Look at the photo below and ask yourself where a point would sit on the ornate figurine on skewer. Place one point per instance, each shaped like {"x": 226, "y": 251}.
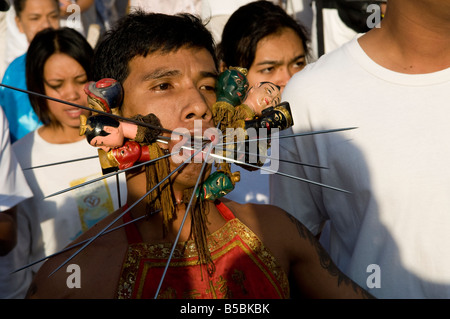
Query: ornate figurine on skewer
{"x": 231, "y": 90}
{"x": 121, "y": 144}
{"x": 241, "y": 109}
{"x": 104, "y": 95}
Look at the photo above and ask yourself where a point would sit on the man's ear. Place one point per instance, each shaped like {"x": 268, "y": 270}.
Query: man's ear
{"x": 19, "y": 24}
{"x": 222, "y": 66}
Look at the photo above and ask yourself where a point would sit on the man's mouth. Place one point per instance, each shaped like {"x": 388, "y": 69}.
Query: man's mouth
{"x": 194, "y": 145}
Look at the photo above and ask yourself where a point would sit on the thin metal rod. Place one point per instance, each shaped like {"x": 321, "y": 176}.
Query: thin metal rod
{"x": 63, "y": 162}
{"x": 289, "y": 136}
{"x": 119, "y": 200}
{"x": 274, "y": 172}
{"x": 84, "y": 241}
{"x": 93, "y": 110}
{"x": 108, "y": 175}
{"x": 260, "y": 155}
{"x": 120, "y": 216}
{"x": 279, "y": 159}
{"x": 184, "y": 218}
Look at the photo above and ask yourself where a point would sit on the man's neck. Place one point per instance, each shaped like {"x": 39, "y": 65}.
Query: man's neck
{"x": 411, "y": 39}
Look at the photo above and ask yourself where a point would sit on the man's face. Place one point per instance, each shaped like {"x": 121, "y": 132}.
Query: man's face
{"x": 178, "y": 87}
{"x": 36, "y": 16}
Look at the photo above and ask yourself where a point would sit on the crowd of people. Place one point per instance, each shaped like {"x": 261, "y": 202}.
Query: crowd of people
{"x": 358, "y": 207}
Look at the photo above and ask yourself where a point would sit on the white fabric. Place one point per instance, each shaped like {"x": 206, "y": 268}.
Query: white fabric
{"x": 335, "y": 31}
{"x": 217, "y": 12}
{"x": 13, "y": 189}
{"x": 16, "y": 41}
{"x": 167, "y": 6}
{"x": 13, "y": 186}
{"x": 219, "y": 7}
{"x": 3, "y": 64}
{"x": 395, "y": 164}
{"x": 61, "y": 218}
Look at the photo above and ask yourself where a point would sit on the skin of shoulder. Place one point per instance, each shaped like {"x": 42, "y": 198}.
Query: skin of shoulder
{"x": 310, "y": 269}
{"x": 106, "y": 253}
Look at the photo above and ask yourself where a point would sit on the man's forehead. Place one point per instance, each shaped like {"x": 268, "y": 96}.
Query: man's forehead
{"x": 160, "y": 63}
{"x": 42, "y": 6}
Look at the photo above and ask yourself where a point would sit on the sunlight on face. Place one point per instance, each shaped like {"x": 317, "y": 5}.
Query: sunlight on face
{"x": 278, "y": 57}
{"x": 38, "y": 15}
{"x": 64, "y": 78}
{"x": 179, "y": 88}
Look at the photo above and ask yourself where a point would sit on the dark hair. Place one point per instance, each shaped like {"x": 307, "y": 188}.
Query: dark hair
{"x": 140, "y": 33}
{"x": 46, "y": 43}
{"x": 95, "y": 126}
{"x": 19, "y": 5}
{"x": 248, "y": 25}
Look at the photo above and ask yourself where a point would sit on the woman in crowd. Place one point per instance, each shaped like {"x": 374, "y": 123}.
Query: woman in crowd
{"x": 272, "y": 46}
{"x": 30, "y": 18}
{"x": 58, "y": 65}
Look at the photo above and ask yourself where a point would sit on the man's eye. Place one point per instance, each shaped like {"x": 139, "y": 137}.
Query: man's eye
{"x": 300, "y": 64}
{"x": 163, "y": 86}
{"x": 160, "y": 86}
{"x": 208, "y": 88}
{"x": 267, "y": 70}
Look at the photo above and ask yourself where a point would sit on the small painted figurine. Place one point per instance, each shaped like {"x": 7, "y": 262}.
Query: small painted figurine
{"x": 124, "y": 156}
{"x": 104, "y": 95}
{"x": 278, "y": 116}
{"x": 231, "y": 90}
{"x": 106, "y": 132}
{"x": 217, "y": 185}
{"x": 259, "y": 97}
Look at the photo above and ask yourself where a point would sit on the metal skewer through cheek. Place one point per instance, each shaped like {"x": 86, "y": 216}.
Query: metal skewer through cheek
{"x": 272, "y": 171}
{"x": 96, "y": 111}
{"x": 109, "y": 175}
{"x": 185, "y": 214}
{"x": 124, "y": 212}
{"x": 84, "y": 241}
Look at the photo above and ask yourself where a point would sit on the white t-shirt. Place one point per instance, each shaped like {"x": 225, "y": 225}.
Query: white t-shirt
{"x": 392, "y": 229}
{"x": 16, "y": 43}
{"x": 13, "y": 186}
{"x": 47, "y": 225}
{"x": 13, "y": 190}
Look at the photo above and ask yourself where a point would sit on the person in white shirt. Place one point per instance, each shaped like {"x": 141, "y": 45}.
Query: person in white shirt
{"x": 13, "y": 189}
{"x": 390, "y": 233}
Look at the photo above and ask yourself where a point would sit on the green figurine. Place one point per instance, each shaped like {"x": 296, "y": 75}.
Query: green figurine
{"x": 231, "y": 90}
{"x": 217, "y": 185}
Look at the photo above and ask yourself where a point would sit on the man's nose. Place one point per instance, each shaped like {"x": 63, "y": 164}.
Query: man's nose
{"x": 45, "y": 23}
{"x": 283, "y": 77}
{"x": 196, "y": 107}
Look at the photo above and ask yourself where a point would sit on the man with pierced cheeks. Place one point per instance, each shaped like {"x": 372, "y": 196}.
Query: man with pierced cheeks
{"x": 167, "y": 67}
